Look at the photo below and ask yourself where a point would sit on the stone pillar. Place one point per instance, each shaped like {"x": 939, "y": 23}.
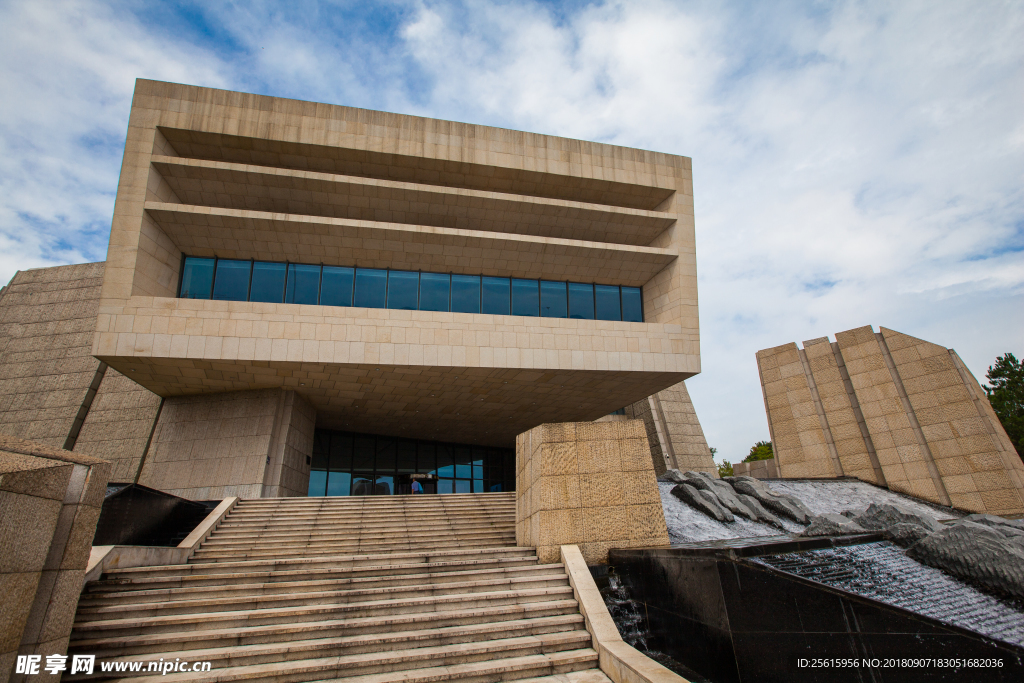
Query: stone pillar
{"x": 50, "y": 500}
{"x": 590, "y": 484}
{"x": 249, "y": 444}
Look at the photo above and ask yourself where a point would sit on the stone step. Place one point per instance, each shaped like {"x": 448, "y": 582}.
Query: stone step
{"x": 478, "y": 669}
{"x": 357, "y": 651}
{"x": 115, "y": 581}
{"x": 313, "y": 548}
{"x": 314, "y": 595}
{"x": 210, "y": 637}
{"x": 410, "y": 500}
{"x": 112, "y": 594}
{"x": 235, "y": 619}
{"x": 384, "y": 535}
{"x": 288, "y": 523}
{"x": 439, "y": 558}
{"x": 354, "y": 532}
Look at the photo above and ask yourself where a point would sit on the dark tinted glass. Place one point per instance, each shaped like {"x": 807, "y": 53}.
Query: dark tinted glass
{"x": 387, "y": 449}
{"x": 384, "y": 485}
{"x": 336, "y": 286}
{"x": 363, "y": 453}
{"x": 552, "y": 299}
{"x": 463, "y": 462}
{"x": 581, "y": 301}
{"x": 495, "y": 295}
{"x": 606, "y": 298}
{"x": 445, "y": 468}
{"x": 371, "y": 287}
{"x": 267, "y": 282}
{"x": 407, "y": 458}
{"x": 304, "y": 285}
{"x": 426, "y": 458}
{"x": 444, "y": 485}
{"x": 232, "y": 283}
{"x": 466, "y": 293}
{"x": 632, "y": 305}
{"x": 339, "y": 483}
{"x": 362, "y": 483}
{"x": 433, "y": 292}
{"x": 317, "y": 483}
{"x": 402, "y": 289}
{"x": 525, "y": 297}
{"x": 197, "y": 278}
{"x": 462, "y": 486}
{"x": 321, "y": 450}
{"x": 341, "y": 452}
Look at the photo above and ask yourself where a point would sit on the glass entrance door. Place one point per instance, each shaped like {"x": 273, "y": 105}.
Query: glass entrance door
{"x": 348, "y": 464}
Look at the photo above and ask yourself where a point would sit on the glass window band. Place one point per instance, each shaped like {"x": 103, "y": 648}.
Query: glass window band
{"x": 279, "y": 282}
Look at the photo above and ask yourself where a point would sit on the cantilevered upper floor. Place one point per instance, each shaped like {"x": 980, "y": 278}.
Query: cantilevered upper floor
{"x": 362, "y": 260}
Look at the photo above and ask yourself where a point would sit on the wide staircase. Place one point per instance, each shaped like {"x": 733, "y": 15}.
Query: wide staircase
{"x": 363, "y": 589}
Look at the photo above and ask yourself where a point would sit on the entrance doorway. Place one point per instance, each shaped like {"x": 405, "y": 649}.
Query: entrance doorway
{"x": 349, "y": 464}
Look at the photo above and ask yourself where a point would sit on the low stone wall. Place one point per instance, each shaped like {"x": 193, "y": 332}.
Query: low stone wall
{"x": 590, "y": 484}
{"x": 50, "y": 500}
{"x": 759, "y": 469}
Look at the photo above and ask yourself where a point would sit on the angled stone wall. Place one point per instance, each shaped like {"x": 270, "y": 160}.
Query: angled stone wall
{"x": 47, "y": 321}
{"x": 249, "y": 444}
{"x": 894, "y": 410}
{"x": 673, "y": 431}
{"x": 50, "y": 501}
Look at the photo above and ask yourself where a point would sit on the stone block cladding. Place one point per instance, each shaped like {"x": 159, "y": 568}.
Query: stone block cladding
{"x": 673, "y": 431}
{"x": 590, "y": 484}
{"x": 50, "y": 502}
{"x": 894, "y": 410}
{"x": 759, "y": 469}
{"x": 250, "y": 444}
{"x": 47, "y": 322}
{"x": 215, "y": 173}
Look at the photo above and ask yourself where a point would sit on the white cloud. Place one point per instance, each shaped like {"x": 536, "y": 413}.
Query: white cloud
{"x": 69, "y": 69}
{"x": 855, "y": 162}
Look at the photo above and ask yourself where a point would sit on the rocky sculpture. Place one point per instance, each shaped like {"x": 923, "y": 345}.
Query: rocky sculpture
{"x": 787, "y": 506}
{"x": 885, "y": 515}
{"x": 832, "y": 525}
{"x": 705, "y": 501}
{"x": 762, "y": 514}
{"x": 723, "y": 492}
{"x": 990, "y": 555}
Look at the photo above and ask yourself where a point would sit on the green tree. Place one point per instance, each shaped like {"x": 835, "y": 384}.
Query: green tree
{"x": 1006, "y": 394}
{"x": 762, "y": 450}
{"x": 725, "y": 469}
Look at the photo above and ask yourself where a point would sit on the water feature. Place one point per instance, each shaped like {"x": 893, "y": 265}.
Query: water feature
{"x": 632, "y": 624}
{"x": 882, "y": 572}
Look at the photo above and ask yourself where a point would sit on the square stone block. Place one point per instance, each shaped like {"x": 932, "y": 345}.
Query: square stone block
{"x": 559, "y": 492}
{"x": 559, "y": 458}
{"x": 640, "y": 488}
{"x": 599, "y": 456}
{"x": 646, "y": 521}
{"x": 601, "y": 490}
{"x": 561, "y": 527}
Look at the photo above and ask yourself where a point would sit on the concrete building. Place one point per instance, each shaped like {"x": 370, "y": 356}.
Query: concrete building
{"x": 307, "y": 299}
{"x": 893, "y": 410}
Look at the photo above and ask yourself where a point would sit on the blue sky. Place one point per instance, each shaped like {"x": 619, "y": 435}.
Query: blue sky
{"x": 854, "y": 162}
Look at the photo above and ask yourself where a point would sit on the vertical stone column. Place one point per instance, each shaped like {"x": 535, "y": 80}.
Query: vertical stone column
{"x": 590, "y": 484}
{"x": 50, "y": 501}
{"x": 836, "y": 409}
{"x": 798, "y": 436}
{"x": 966, "y": 455}
{"x": 902, "y": 452}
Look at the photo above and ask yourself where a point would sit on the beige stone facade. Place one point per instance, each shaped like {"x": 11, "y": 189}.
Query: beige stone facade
{"x": 673, "y": 431}
{"x": 49, "y": 504}
{"x": 207, "y": 398}
{"x": 893, "y": 410}
{"x": 590, "y": 484}
{"x": 210, "y": 172}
